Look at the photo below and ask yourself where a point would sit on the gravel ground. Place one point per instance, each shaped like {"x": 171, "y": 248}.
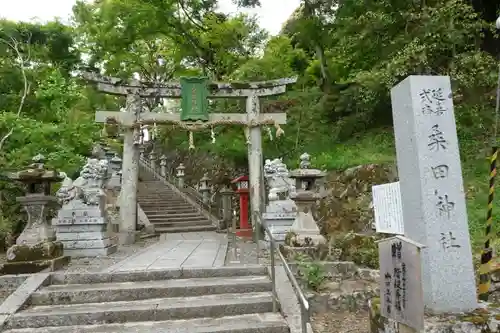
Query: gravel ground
{"x": 341, "y": 322}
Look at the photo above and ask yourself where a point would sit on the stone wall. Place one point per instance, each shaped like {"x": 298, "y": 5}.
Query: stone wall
{"x": 348, "y": 203}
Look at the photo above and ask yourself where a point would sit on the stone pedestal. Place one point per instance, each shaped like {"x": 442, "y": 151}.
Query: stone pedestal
{"x": 36, "y": 249}
{"x": 27, "y": 259}
{"x": 281, "y": 210}
{"x": 279, "y": 224}
{"x": 83, "y": 230}
{"x": 304, "y": 226}
{"x": 81, "y": 224}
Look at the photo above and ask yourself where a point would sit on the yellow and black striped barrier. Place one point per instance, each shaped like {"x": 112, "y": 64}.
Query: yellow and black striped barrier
{"x": 487, "y": 253}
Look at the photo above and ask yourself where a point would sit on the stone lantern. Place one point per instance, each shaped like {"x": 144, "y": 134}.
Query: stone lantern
{"x": 227, "y": 211}
{"x": 242, "y": 188}
{"x": 108, "y": 153}
{"x": 152, "y": 160}
{"x": 163, "y": 166}
{"x": 180, "y": 175}
{"x": 205, "y": 188}
{"x": 305, "y": 196}
{"x": 36, "y": 247}
{"x": 142, "y": 150}
{"x": 115, "y": 166}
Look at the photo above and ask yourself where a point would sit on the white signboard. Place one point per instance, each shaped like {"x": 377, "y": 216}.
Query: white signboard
{"x": 401, "y": 295}
{"x": 387, "y": 208}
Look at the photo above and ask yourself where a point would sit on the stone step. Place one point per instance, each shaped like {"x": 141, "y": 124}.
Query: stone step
{"x": 174, "y": 215}
{"x": 180, "y": 223}
{"x": 142, "y": 310}
{"x": 167, "y": 211}
{"x": 129, "y": 291}
{"x": 162, "y": 225}
{"x": 197, "y": 228}
{"x": 165, "y": 204}
{"x": 158, "y": 195}
{"x": 176, "y": 218}
{"x": 152, "y": 194}
{"x": 164, "y": 199}
{"x": 141, "y": 276}
{"x": 248, "y": 323}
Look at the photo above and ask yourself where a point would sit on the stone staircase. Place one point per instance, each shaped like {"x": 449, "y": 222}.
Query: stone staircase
{"x": 168, "y": 211}
{"x": 206, "y": 300}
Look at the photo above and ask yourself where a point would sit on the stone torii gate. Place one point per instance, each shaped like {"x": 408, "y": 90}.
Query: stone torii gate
{"x": 134, "y": 117}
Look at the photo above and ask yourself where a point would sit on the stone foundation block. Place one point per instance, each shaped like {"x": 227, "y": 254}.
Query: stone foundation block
{"x": 485, "y": 319}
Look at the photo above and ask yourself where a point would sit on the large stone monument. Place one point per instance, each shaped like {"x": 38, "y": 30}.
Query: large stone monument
{"x": 36, "y": 248}
{"x": 281, "y": 210}
{"x": 82, "y": 224}
{"x": 432, "y": 191}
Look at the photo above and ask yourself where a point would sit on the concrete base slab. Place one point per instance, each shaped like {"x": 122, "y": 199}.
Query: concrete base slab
{"x": 91, "y": 252}
{"x": 26, "y": 267}
{"x": 127, "y": 237}
{"x": 197, "y": 249}
{"x": 88, "y": 243}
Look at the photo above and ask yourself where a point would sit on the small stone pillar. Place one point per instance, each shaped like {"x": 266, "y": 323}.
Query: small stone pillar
{"x": 242, "y": 189}
{"x": 304, "y": 226}
{"x": 163, "y": 166}
{"x": 227, "y": 210}
{"x": 180, "y": 175}
{"x": 205, "y": 188}
{"x": 152, "y": 160}
{"x": 36, "y": 248}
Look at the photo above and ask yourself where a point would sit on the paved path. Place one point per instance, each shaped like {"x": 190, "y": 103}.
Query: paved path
{"x": 192, "y": 249}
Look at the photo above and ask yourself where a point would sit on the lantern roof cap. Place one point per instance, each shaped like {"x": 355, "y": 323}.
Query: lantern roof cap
{"x": 240, "y": 179}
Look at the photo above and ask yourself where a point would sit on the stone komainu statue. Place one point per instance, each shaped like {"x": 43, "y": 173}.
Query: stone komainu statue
{"x": 88, "y": 187}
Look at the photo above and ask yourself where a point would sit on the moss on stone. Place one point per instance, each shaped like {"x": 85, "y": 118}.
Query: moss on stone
{"x": 37, "y": 252}
{"x": 360, "y": 249}
{"x": 476, "y": 320}
{"x": 377, "y": 322}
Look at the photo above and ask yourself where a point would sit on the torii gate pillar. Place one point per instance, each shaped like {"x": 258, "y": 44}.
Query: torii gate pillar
{"x": 130, "y": 177}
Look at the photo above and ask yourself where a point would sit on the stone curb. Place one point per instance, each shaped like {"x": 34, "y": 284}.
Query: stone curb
{"x": 21, "y": 295}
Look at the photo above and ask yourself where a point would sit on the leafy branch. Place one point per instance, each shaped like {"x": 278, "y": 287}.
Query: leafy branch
{"x": 22, "y": 60}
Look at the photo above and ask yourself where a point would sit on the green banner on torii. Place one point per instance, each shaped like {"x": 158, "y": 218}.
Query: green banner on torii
{"x": 194, "y": 98}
